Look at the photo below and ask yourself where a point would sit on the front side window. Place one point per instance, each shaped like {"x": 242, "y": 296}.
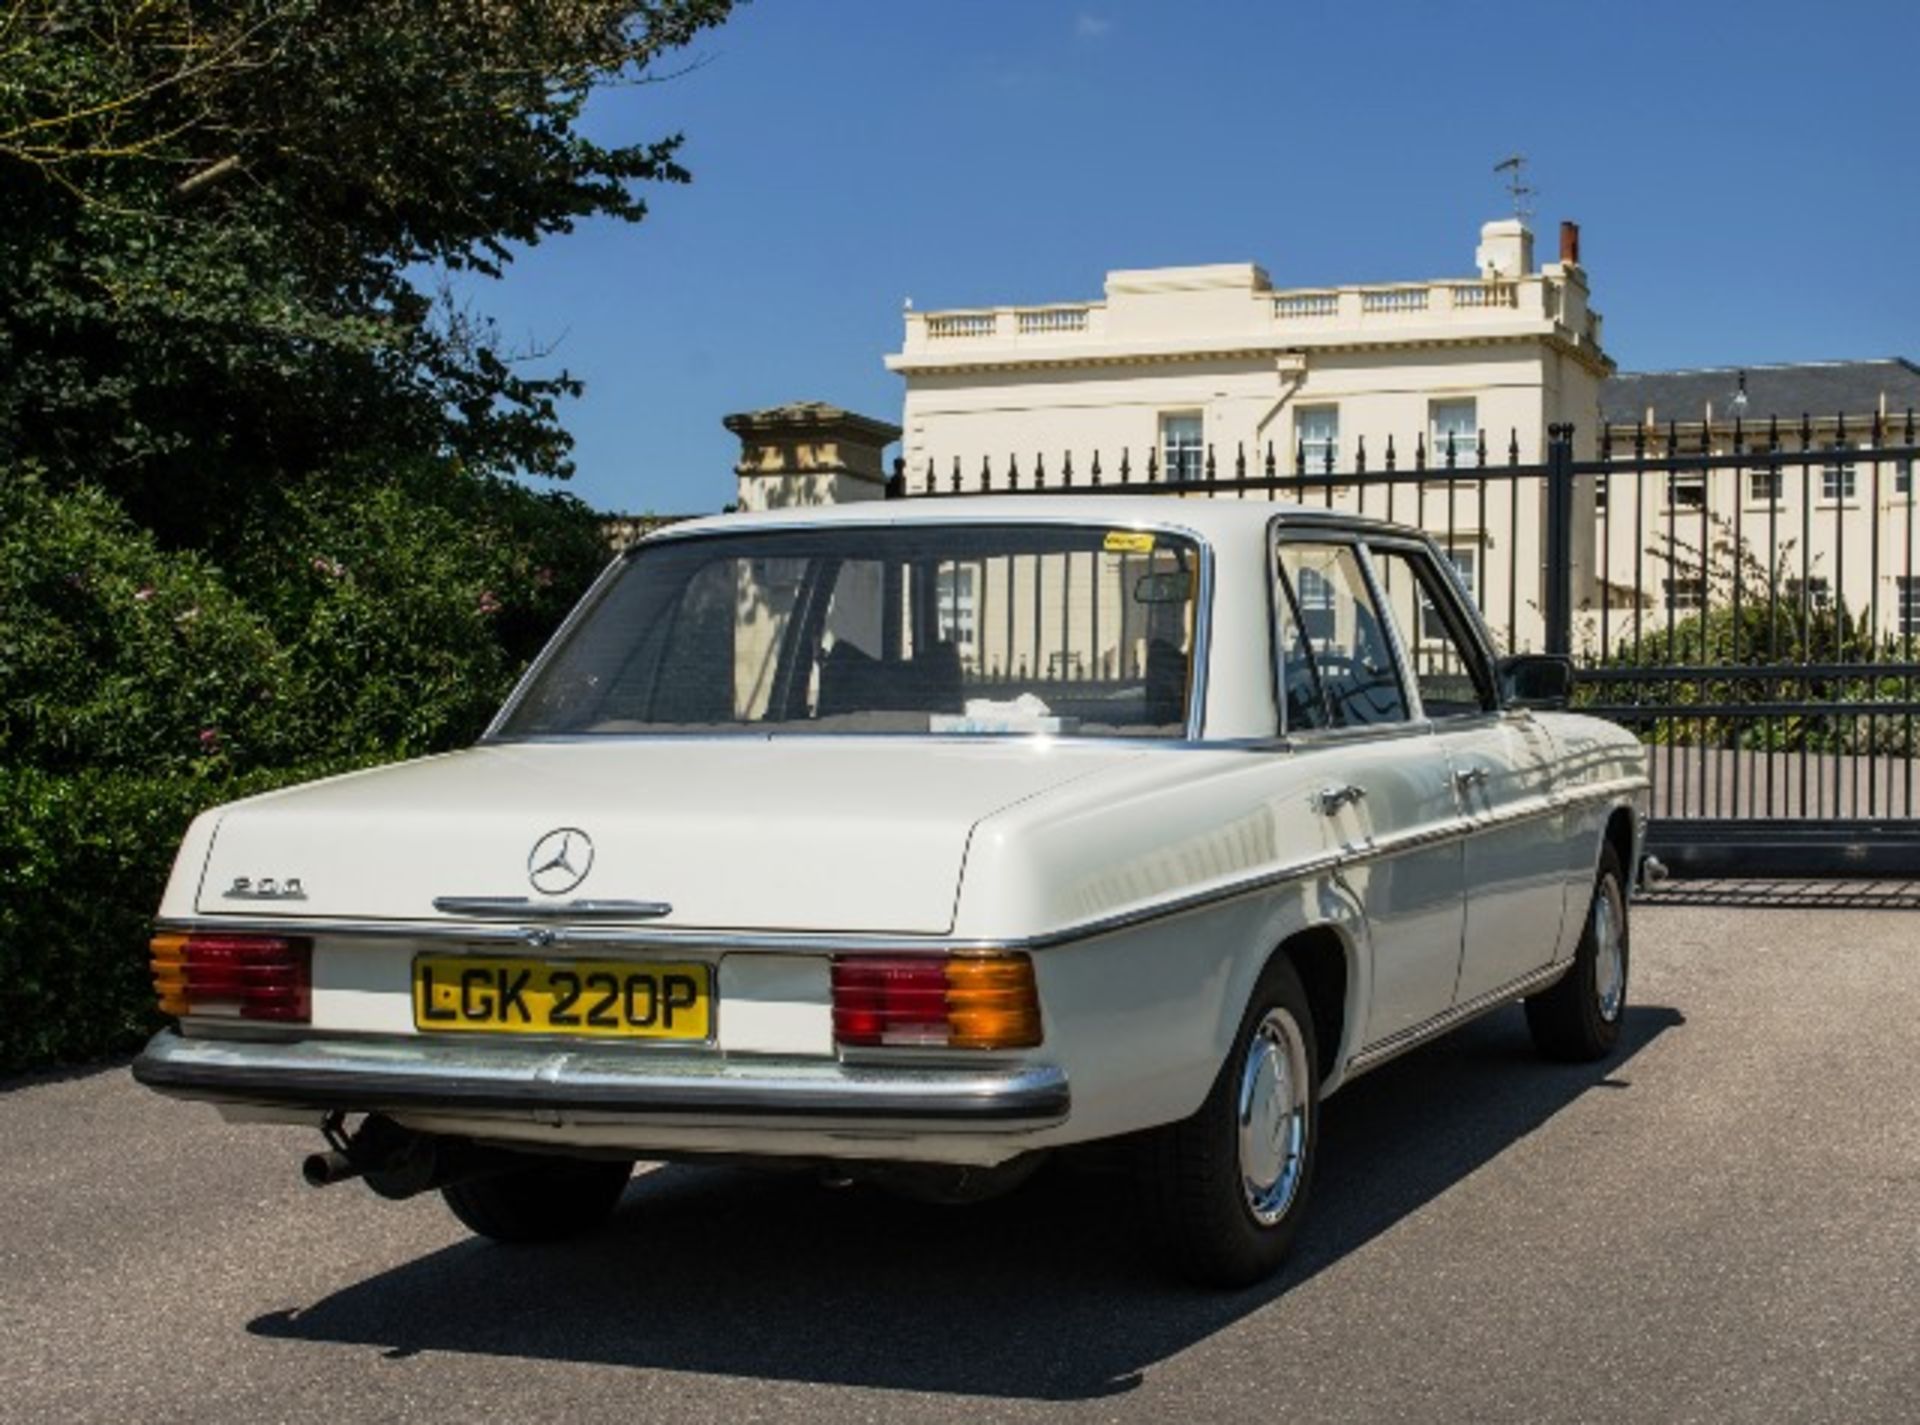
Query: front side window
{"x": 1453, "y": 425}
{"x": 1337, "y": 663}
{"x": 945, "y": 629}
{"x": 1448, "y": 669}
{"x": 1183, "y": 449}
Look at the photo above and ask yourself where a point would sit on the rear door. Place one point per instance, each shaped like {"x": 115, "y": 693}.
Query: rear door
{"x": 1502, "y": 768}
{"x": 1383, "y": 790}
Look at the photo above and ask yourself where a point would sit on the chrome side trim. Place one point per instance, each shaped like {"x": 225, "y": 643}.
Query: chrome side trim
{"x": 522, "y": 908}
{"x": 398, "y": 1074}
{"x": 827, "y": 942}
{"x": 1394, "y": 1045}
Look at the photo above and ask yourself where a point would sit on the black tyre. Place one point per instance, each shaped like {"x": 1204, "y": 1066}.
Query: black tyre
{"x": 1578, "y": 1017}
{"x": 550, "y": 1198}
{"x": 1226, "y": 1189}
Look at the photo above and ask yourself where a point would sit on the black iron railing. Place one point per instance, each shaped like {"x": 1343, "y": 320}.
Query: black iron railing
{"x": 1744, "y": 596}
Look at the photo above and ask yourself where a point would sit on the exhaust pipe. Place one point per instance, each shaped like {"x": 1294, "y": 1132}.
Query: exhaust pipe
{"x": 326, "y": 1169}
{"x": 398, "y": 1163}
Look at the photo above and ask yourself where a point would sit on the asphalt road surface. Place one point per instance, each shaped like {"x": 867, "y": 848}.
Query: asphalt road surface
{"x": 1721, "y": 1225}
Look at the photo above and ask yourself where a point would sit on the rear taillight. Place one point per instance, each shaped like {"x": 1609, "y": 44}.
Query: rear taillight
{"x": 247, "y": 976}
{"x": 956, "y": 1001}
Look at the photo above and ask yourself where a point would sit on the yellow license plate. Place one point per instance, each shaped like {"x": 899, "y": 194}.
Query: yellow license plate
{"x": 609, "y": 999}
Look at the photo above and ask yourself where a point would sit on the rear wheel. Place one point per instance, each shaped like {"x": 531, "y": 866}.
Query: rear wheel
{"x": 1227, "y": 1187}
{"x": 548, "y": 1199}
{"x": 1578, "y": 1017}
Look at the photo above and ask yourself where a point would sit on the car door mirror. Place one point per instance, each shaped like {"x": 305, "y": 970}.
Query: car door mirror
{"x": 1536, "y": 680}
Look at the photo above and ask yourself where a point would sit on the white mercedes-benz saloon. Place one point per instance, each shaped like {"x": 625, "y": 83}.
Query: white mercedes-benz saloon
{"x": 915, "y": 841}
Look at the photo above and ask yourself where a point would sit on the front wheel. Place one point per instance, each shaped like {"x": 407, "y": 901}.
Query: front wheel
{"x": 548, "y": 1199}
{"x": 1227, "y": 1187}
{"x": 1577, "y": 1018}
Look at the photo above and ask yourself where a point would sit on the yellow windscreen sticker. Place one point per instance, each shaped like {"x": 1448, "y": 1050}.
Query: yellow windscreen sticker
{"x": 1128, "y": 541}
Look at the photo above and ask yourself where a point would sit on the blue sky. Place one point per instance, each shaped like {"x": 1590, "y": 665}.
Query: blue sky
{"x": 1744, "y": 176}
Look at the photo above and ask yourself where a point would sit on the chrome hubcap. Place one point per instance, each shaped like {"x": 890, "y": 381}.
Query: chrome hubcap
{"x": 1273, "y": 1112}
{"x": 1609, "y": 959}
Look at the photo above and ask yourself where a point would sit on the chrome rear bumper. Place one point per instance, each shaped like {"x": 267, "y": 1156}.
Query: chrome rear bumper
{"x": 367, "y": 1075}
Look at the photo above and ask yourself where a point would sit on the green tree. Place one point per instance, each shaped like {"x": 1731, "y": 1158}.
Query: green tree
{"x": 216, "y": 214}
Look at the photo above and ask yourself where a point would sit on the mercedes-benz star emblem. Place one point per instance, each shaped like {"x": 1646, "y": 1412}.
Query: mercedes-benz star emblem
{"x": 560, "y": 861}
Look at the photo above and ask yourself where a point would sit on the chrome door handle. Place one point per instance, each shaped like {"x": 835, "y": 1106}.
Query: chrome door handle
{"x": 1330, "y": 799}
{"x": 1467, "y": 778}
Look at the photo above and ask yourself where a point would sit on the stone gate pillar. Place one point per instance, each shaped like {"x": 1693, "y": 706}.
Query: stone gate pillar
{"x": 809, "y": 453}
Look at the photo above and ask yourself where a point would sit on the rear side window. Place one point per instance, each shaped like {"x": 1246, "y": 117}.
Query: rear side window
{"x": 1337, "y": 664}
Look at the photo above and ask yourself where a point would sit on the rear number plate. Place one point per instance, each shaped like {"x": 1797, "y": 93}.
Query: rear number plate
{"x": 610, "y": 999}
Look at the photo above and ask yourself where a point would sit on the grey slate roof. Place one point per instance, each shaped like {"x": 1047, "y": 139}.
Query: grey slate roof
{"x": 1816, "y": 388}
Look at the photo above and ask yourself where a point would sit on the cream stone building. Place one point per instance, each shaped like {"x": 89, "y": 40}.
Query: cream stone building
{"x": 1834, "y": 527}
{"x": 1213, "y": 369}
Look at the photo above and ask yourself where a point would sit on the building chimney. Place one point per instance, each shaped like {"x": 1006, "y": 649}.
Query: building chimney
{"x": 1570, "y": 244}
{"x": 1506, "y": 249}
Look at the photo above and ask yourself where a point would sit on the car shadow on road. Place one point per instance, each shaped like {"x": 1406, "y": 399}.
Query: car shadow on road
{"x": 1045, "y": 1294}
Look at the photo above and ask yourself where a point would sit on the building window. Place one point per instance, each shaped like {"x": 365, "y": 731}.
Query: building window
{"x": 1686, "y": 593}
{"x": 1909, "y": 605}
{"x": 1458, "y": 421}
{"x": 1818, "y": 592}
{"x": 1465, "y": 559}
{"x": 1836, "y": 478}
{"x": 1688, "y": 491}
{"x": 1763, "y": 487}
{"x": 953, "y": 600}
{"x": 1903, "y": 478}
{"x": 1316, "y": 597}
{"x": 1316, "y": 433}
{"x": 1183, "y": 446}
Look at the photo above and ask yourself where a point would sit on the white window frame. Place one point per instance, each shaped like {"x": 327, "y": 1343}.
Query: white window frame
{"x": 1770, "y": 493}
{"x": 1181, "y": 461}
{"x": 1818, "y": 589}
{"x": 1317, "y": 444}
{"x": 1464, "y": 451}
{"x": 1685, "y": 595}
{"x": 1466, "y": 573}
{"x": 1908, "y": 588}
{"x": 955, "y": 595}
{"x": 1839, "y": 481}
{"x": 1687, "y": 490}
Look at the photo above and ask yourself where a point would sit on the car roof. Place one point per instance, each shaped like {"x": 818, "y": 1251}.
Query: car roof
{"x": 1217, "y": 520}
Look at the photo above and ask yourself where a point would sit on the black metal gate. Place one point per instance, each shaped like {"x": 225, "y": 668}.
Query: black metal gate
{"x": 1745, "y": 598}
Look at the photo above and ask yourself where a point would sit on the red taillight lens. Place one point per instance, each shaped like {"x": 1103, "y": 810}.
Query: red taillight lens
{"x": 250, "y": 976}
{"x": 961, "y": 1002}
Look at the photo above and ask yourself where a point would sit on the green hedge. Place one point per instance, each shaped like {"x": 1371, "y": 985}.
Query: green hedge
{"x": 83, "y": 859}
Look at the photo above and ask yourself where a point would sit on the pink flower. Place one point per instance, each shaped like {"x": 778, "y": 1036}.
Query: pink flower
{"x": 488, "y": 604}
{"x": 542, "y": 577}
{"x": 209, "y": 739}
{"x": 143, "y": 593}
{"x": 331, "y": 567}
